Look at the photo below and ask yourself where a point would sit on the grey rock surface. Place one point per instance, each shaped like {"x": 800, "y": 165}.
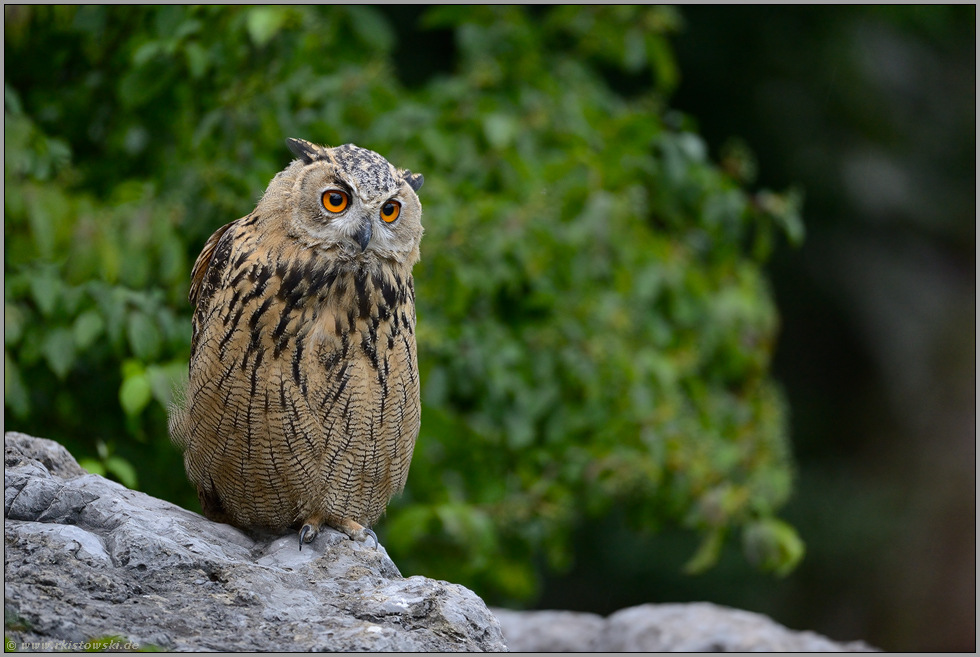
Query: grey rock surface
{"x": 693, "y": 627}
{"x": 86, "y": 558}
{"x": 551, "y": 631}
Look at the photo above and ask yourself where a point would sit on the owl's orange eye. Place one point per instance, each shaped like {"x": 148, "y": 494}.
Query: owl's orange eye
{"x": 391, "y": 210}
{"x": 334, "y": 200}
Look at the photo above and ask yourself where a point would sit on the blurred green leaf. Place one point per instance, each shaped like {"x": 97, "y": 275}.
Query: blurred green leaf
{"x": 123, "y": 471}
{"x": 15, "y": 394}
{"x": 772, "y": 545}
{"x": 786, "y": 209}
{"x": 146, "y": 52}
{"x": 197, "y": 59}
{"x": 93, "y": 466}
{"x": 112, "y": 304}
{"x": 409, "y": 526}
{"x": 87, "y": 327}
{"x": 11, "y": 100}
{"x": 59, "y": 351}
{"x": 13, "y": 323}
{"x": 664, "y": 65}
{"x": 135, "y": 392}
{"x": 264, "y": 23}
{"x": 371, "y": 27}
{"x": 46, "y": 289}
{"x": 499, "y": 129}
{"x": 516, "y": 579}
{"x": 144, "y": 336}
{"x": 707, "y": 553}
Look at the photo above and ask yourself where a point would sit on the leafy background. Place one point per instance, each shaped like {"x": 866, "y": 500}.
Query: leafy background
{"x": 597, "y": 324}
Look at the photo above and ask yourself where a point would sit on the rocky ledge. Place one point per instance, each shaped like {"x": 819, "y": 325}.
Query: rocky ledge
{"x": 86, "y": 558}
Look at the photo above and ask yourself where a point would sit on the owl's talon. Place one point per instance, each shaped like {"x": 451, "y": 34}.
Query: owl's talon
{"x": 307, "y": 529}
{"x": 362, "y": 535}
{"x": 356, "y": 531}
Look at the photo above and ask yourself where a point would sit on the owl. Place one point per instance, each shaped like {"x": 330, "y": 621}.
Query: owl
{"x": 302, "y": 406}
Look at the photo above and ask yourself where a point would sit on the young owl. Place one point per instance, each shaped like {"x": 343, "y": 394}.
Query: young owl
{"x": 302, "y": 407}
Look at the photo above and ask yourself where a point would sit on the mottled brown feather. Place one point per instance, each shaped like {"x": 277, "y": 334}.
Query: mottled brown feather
{"x": 202, "y": 262}
{"x": 303, "y": 401}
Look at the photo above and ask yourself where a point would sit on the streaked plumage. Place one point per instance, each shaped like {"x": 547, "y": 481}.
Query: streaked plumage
{"x": 302, "y": 406}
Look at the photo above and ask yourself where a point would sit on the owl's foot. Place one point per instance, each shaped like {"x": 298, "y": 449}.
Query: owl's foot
{"x": 356, "y": 531}
{"x": 308, "y": 534}
{"x": 370, "y": 532}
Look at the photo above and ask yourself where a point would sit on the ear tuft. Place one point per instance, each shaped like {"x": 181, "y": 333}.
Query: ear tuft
{"x": 304, "y": 150}
{"x": 414, "y": 180}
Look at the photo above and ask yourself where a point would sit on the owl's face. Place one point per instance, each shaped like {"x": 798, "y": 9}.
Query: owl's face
{"x": 350, "y": 201}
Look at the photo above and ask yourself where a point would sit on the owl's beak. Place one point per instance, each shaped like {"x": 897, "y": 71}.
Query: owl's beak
{"x": 363, "y": 234}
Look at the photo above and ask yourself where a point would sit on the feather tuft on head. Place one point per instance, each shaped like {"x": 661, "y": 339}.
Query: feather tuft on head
{"x": 304, "y": 150}
{"x": 414, "y": 180}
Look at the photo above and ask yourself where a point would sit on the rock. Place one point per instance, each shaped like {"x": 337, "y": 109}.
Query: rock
{"x": 551, "y": 631}
{"x": 86, "y": 558}
{"x": 50, "y": 454}
{"x": 705, "y": 627}
{"x": 694, "y": 627}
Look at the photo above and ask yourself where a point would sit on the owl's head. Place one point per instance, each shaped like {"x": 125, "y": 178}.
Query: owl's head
{"x": 351, "y": 201}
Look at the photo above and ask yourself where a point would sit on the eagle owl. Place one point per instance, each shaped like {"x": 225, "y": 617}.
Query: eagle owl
{"x": 302, "y": 406}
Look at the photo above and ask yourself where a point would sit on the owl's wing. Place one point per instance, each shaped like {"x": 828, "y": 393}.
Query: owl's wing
{"x": 204, "y": 261}
{"x": 208, "y": 270}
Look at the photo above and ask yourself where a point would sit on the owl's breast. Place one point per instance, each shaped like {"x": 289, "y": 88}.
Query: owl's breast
{"x": 360, "y": 379}
{"x": 359, "y": 346}
{"x": 304, "y": 387}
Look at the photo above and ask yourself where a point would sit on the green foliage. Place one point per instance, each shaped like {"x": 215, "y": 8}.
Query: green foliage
{"x": 595, "y": 327}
